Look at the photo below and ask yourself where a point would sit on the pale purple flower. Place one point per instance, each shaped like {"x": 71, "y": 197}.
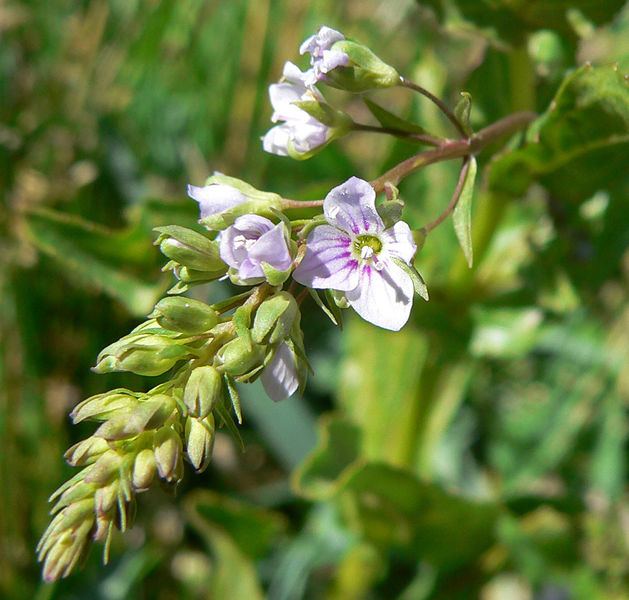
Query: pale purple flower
{"x": 300, "y": 133}
{"x": 216, "y": 198}
{"x": 251, "y": 241}
{"x": 280, "y": 378}
{"x": 354, "y": 254}
{"x": 322, "y": 58}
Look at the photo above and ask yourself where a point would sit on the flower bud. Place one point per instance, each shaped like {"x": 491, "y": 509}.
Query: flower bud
{"x": 143, "y": 469}
{"x": 238, "y": 357}
{"x": 224, "y": 198}
{"x": 184, "y": 314}
{"x": 106, "y": 497}
{"x": 167, "y": 451}
{"x": 274, "y": 318}
{"x": 203, "y": 390}
{"x": 199, "y": 441}
{"x": 104, "y": 469}
{"x": 191, "y": 249}
{"x": 151, "y": 413}
{"x": 86, "y": 451}
{"x": 144, "y": 354}
{"x": 103, "y": 406}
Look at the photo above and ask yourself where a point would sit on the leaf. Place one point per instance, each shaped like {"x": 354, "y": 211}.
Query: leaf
{"x": 103, "y": 258}
{"x": 462, "y": 215}
{"x": 235, "y": 534}
{"x": 390, "y": 507}
{"x": 378, "y": 388}
{"x": 513, "y": 21}
{"x": 583, "y": 134}
{"x": 462, "y": 112}
{"x": 391, "y": 121}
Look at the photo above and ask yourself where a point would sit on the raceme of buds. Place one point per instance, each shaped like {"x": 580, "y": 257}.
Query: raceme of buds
{"x": 256, "y": 249}
{"x": 224, "y": 198}
{"x": 307, "y": 122}
{"x": 184, "y": 315}
{"x": 345, "y": 64}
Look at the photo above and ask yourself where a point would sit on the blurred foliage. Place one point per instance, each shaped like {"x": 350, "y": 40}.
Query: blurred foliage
{"x": 479, "y": 453}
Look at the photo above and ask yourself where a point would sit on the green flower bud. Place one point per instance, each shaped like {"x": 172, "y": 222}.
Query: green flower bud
{"x": 238, "y": 357}
{"x": 103, "y": 406}
{"x": 244, "y": 199}
{"x": 148, "y": 414}
{"x": 106, "y": 497}
{"x": 79, "y": 491}
{"x": 143, "y": 469}
{"x": 104, "y": 469}
{"x": 191, "y": 249}
{"x": 364, "y": 71}
{"x": 274, "y": 318}
{"x": 203, "y": 390}
{"x": 86, "y": 452}
{"x": 185, "y": 315}
{"x": 144, "y": 354}
{"x": 199, "y": 441}
{"x": 167, "y": 451}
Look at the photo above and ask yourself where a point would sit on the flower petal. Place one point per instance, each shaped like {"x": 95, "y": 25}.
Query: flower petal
{"x": 272, "y": 248}
{"x": 236, "y": 241}
{"x": 328, "y": 262}
{"x": 351, "y": 206}
{"x": 215, "y": 198}
{"x": 398, "y": 241}
{"x": 384, "y": 297}
{"x": 320, "y": 41}
{"x": 279, "y": 377}
{"x": 276, "y": 140}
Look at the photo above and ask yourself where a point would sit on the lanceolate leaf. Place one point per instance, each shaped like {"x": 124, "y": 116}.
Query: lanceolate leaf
{"x": 588, "y": 118}
{"x": 462, "y": 215}
{"x": 388, "y": 119}
{"x": 96, "y": 255}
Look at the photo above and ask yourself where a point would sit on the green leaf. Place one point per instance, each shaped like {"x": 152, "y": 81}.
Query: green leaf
{"x": 391, "y": 121}
{"x": 418, "y": 282}
{"x": 389, "y": 507}
{"x": 462, "y": 112}
{"x": 580, "y": 140}
{"x": 100, "y": 257}
{"x": 462, "y": 215}
{"x": 235, "y": 534}
{"x": 512, "y": 21}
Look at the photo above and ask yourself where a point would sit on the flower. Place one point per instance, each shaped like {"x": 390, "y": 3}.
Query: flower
{"x": 300, "y": 134}
{"x": 345, "y": 64}
{"x": 216, "y": 198}
{"x": 252, "y": 244}
{"x": 322, "y": 57}
{"x": 355, "y": 254}
{"x": 280, "y": 377}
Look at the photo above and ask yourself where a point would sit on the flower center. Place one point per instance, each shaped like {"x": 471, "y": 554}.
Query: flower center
{"x": 368, "y": 247}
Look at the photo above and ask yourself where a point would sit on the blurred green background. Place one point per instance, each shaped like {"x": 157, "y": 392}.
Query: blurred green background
{"x": 479, "y": 453}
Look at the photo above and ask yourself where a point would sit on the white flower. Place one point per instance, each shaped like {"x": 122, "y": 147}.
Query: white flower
{"x": 322, "y": 57}
{"x": 216, "y": 198}
{"x": 300, "y": 133}
{"x": 280, "y": 377}
{"x": 354, "y": 254}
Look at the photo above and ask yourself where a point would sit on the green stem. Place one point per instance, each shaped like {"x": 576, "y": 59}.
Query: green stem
{"x": 442, "y": 106}
{"x": 426, "y": 139}
{"x": 455, "y": 197}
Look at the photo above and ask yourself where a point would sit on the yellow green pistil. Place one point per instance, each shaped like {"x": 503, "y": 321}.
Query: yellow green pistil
{"x": 367, "y": 247}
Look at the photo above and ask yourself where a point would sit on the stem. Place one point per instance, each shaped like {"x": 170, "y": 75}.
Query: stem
{"x": 455, "y": 197}
{"x": 426, "y": 139}
{"x": 454, "y": 149}
{"x": 288, "y": 203}
{"x": 444, "y": 109}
